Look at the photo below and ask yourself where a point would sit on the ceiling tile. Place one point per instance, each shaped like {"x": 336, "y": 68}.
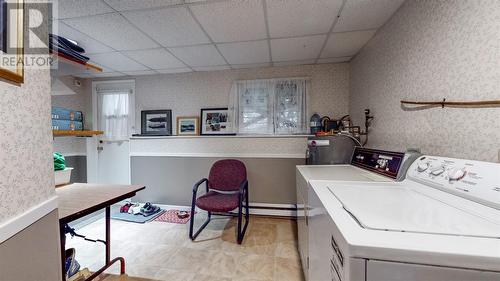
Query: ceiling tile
{"x": 299, "y": 17}
{"x": 90, "y": 45}
{"x": 114, "y": 31}
{"x": 230, "y": 21}
{"x": 211, "y": 68}
{"x": 245, "y": 52}
{"x": 117, "y": 61}
{"x": 300, "y": 48}
{"x": 334, "y": 60}
{"x": 254, "y": 65}
{"x": 155, "y": 58}
{"x": 170, "y": 27}
{"x": 362, "y": 14}
{"x": 127, "y": 5}
{"x": 203, "y": 55}
{"x": 140, "y": 72}
{"x": 174, "y": 70}
{"x": 346, "y": 44}
{"x": 100, "y": 74}
{"x": 78, "y": 8}
{"x": 300, "y": 62}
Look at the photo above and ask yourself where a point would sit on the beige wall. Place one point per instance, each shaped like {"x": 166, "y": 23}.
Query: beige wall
{"x": 187, "y": 93}
{"x": 432, "y": 50}
{"x": 170, "y": 180}
{"x": 33, "y": 254}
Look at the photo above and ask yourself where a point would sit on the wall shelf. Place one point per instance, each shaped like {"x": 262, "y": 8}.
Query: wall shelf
{"x": 67, "y": 59}
{"x": 65, "y": 133}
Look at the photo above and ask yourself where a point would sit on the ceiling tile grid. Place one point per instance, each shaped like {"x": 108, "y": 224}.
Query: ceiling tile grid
{"x": 67, "y": 9}
{"x": 90, "y": 45}
{"x": 142, "y": 37}
{"x": 251, "y": 52}
{"x": 128, "y": 5}
{"x": 112, "y": 30}
{"x": 231, "y": 21}
{"x": 344, "y": 44}
{"x": 117, "y": 61}
{"x": 200, "y": 55}
{"x": 298, "y": 17}
{"x": 169, "y": 26}
{"x": 362, "y": 14}
{"x": 155, "y": 58}
{"x": 297, "y": 48}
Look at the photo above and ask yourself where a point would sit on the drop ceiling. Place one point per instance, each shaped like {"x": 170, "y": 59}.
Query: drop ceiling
{"x": 142, "y": 37}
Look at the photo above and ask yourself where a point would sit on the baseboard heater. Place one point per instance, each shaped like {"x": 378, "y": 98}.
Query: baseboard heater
{"x": 265, "y": 209}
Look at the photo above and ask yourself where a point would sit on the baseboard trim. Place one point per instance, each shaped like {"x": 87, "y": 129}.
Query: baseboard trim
{"x": 263, "y": 209}
{"x": 16, "y": 224}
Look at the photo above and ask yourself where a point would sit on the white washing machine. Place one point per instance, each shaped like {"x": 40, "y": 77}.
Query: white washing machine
{"x": 441, "y": 223}
{"x": 367, "y": 165}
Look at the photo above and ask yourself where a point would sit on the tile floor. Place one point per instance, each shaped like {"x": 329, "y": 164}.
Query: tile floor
{"x": 163, "y": 251}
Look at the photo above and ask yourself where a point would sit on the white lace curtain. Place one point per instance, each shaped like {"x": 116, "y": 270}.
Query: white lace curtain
{"x": 114, "y": 114}
{"x": 269, "y": 106}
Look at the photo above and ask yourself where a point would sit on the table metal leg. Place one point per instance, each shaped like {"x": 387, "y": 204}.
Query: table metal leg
{"x": 108, "y": 235}
{"x": 62, "y": 237}
{"x": 107, "y": 263}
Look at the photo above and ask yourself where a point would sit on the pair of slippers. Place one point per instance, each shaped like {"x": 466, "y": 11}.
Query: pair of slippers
{"x": 149, "y": 209}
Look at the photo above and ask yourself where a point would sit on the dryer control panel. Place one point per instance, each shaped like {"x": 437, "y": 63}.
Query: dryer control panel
{"x": 474, "y": 180}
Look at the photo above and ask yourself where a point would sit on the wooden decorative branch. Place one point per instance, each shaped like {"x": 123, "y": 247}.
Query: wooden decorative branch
{"x": 443, "y": 103}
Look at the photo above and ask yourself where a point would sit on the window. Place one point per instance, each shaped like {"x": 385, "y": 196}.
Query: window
{"x": 114, "y": 114}
{"x": 275, "y": 106}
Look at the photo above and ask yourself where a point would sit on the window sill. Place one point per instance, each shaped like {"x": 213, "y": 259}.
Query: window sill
{"x": 216, "y": 136}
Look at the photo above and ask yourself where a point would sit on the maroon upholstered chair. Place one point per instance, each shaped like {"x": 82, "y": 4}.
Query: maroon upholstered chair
{"x": 226, "y": 189}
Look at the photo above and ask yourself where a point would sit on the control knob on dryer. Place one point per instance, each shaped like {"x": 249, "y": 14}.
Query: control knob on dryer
{"x": 456, "y": 174}
{"x": 422, "y": 166}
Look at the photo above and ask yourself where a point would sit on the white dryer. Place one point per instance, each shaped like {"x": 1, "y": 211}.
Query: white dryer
{"x": 367, "y": 165}
{"x": 441, "y": 223}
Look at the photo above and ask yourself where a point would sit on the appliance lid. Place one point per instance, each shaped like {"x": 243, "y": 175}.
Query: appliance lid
{"x": 400, "y": 209}
{"x": 340, "y": 173}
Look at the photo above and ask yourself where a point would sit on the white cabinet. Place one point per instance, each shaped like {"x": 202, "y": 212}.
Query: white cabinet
{"x": 326, "y": 258}
{"x": 392, "y": 271}
{"x": 302, "y": 221}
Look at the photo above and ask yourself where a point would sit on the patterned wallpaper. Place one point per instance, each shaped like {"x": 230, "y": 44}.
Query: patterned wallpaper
{"x": 26, "y": 169}
{"x": 187, "y": 93}
{"x": 432, "y": 50}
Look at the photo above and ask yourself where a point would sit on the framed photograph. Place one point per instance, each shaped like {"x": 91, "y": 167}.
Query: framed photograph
{"x": 156, "y": 122}
{"x": 12, "y": 40}
{"x": 188, "y": 126}
{"x": 214, "y": 121}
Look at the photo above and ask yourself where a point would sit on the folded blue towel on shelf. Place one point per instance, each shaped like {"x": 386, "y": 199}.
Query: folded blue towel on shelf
{"x": 59, "y": 113}
{"x": 67, "y": 125}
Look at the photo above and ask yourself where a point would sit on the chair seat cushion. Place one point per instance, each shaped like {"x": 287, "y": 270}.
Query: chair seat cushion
{"x": 217, "y": 202}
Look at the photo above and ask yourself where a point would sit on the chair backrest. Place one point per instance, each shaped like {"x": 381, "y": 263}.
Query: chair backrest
{"x": 227, "y": 175}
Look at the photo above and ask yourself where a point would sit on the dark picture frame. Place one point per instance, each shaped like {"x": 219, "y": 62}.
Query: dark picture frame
{"x": 156, "y": 122}
{"x": 12, "y": 74}
{"x": 3, "y": 25}
{"x": 214, "y": 122}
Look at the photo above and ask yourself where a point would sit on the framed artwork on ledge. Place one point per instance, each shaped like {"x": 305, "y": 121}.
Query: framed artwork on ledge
{"x": 156, "y": 122}
{"x": 188, "y": 126}
{"x": 12, "y": 41}
{"x": 214, "y": 121}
